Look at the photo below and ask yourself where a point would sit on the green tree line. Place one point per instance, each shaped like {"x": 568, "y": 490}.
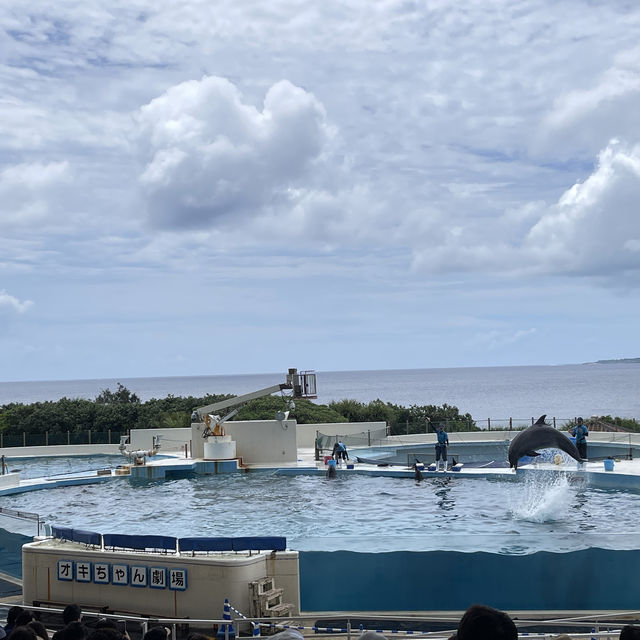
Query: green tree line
{"x": 116, "y": 411}
{"x": 121, "y": 410}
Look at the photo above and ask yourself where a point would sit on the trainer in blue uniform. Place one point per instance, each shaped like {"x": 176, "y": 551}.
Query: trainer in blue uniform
{"x": 340, "y": 451}
{"x": 441, "y": 448}
{"x": 581, "y": 432}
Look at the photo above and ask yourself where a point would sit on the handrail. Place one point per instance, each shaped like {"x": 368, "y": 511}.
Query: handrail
{"x": 591, "y": 622}
{"x": 22, "y": 515}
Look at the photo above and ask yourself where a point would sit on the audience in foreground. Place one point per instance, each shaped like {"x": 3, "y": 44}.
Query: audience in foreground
{"x": 12, "y": 615}
{"x": 479, "y": 622}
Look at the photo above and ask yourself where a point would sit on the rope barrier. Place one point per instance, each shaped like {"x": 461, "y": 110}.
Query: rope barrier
{"x": 273, "y": 625}
{"x": 255, "y": 625}
{"x": 360, "y": 631}
{"x": 236, "y": 611}
{"x": 228, "y": 608}
{"x": 592, "y": 635}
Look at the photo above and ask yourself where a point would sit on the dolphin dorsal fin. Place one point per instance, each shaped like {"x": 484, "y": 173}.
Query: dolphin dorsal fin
{"x": 540, "y": 422}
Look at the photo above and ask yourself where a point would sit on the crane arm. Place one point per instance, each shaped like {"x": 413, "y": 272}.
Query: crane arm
{"x": 231, "y": 402}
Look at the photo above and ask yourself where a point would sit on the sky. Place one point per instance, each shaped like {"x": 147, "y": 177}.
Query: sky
{"x": 201, "y": 188}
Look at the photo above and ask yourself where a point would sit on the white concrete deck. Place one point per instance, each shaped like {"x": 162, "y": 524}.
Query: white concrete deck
{"x": 626, "y": 473}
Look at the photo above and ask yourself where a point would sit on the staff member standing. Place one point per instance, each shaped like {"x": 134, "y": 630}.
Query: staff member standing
{"x": 441, "y": 448}
{"x": 581, "y": 432}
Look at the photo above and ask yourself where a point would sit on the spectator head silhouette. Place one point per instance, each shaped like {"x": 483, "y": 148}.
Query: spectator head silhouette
{"x": 71, "y": 613}
{"x": 480, "y": 622}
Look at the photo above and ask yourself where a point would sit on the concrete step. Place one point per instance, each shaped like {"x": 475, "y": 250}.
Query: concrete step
{"x": 258, "y": 587}
{"x": 270, "y": 599}
{"x": 279, "y": 611}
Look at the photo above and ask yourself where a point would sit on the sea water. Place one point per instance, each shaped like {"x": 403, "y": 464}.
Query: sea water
{"x": 485, "y": 392}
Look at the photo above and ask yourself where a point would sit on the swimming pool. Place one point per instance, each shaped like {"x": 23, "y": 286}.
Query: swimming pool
{"x": 542, "y": 511}
{"x": 48, "y": 466}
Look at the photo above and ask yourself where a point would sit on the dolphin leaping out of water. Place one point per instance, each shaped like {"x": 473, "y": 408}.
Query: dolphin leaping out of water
{"x": 539, "y": 436}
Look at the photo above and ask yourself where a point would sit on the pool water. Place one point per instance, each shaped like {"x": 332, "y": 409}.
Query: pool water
{"x": 60, "y": 465}
{"x": 546, "y": 511}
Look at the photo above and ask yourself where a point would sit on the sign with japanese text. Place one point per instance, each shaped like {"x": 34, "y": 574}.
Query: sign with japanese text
{"x": 123, "y": 575}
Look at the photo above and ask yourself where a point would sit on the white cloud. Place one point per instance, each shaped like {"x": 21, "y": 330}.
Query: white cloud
{"x": 34, "y": 176}
{"x": 594, "y": 228}
{"x": 576, "y": 105}
{"x": 584, "y": 119}
{"x": 28, "y": 192}
{"x": 11, "y": 303}
{"x": 208, "y": 155}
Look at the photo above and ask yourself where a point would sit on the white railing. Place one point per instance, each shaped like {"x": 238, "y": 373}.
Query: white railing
{"x": 603, "y": 625}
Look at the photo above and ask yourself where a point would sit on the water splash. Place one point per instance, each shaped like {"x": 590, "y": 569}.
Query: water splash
{"x": 542, "y": 497}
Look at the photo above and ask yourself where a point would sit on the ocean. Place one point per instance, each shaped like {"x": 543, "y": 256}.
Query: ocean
{"x": 498, "y": 393}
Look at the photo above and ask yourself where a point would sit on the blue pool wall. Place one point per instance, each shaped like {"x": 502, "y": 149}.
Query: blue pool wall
{"x": 183, "y": 469}
{"x": 11, "y": 552}
{"x": 589, "y": 579}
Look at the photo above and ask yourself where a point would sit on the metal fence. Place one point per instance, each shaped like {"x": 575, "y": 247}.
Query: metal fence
{"x": 65, "y": 438}
{"x": 365, "y": 439}
{"x": 488, "y": 424}
{"x": 362, "y": 439}
{"x": 47, "y": 438}
{"x": 23, "y": 516}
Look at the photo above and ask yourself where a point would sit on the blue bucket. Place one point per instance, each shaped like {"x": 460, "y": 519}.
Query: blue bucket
{"x": 608, "y": 464}
{"x": 331, "y": 463}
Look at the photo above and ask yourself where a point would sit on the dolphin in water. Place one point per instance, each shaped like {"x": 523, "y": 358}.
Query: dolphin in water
{"x": 417, "y": 473}
{"x": 539, "y": 436}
